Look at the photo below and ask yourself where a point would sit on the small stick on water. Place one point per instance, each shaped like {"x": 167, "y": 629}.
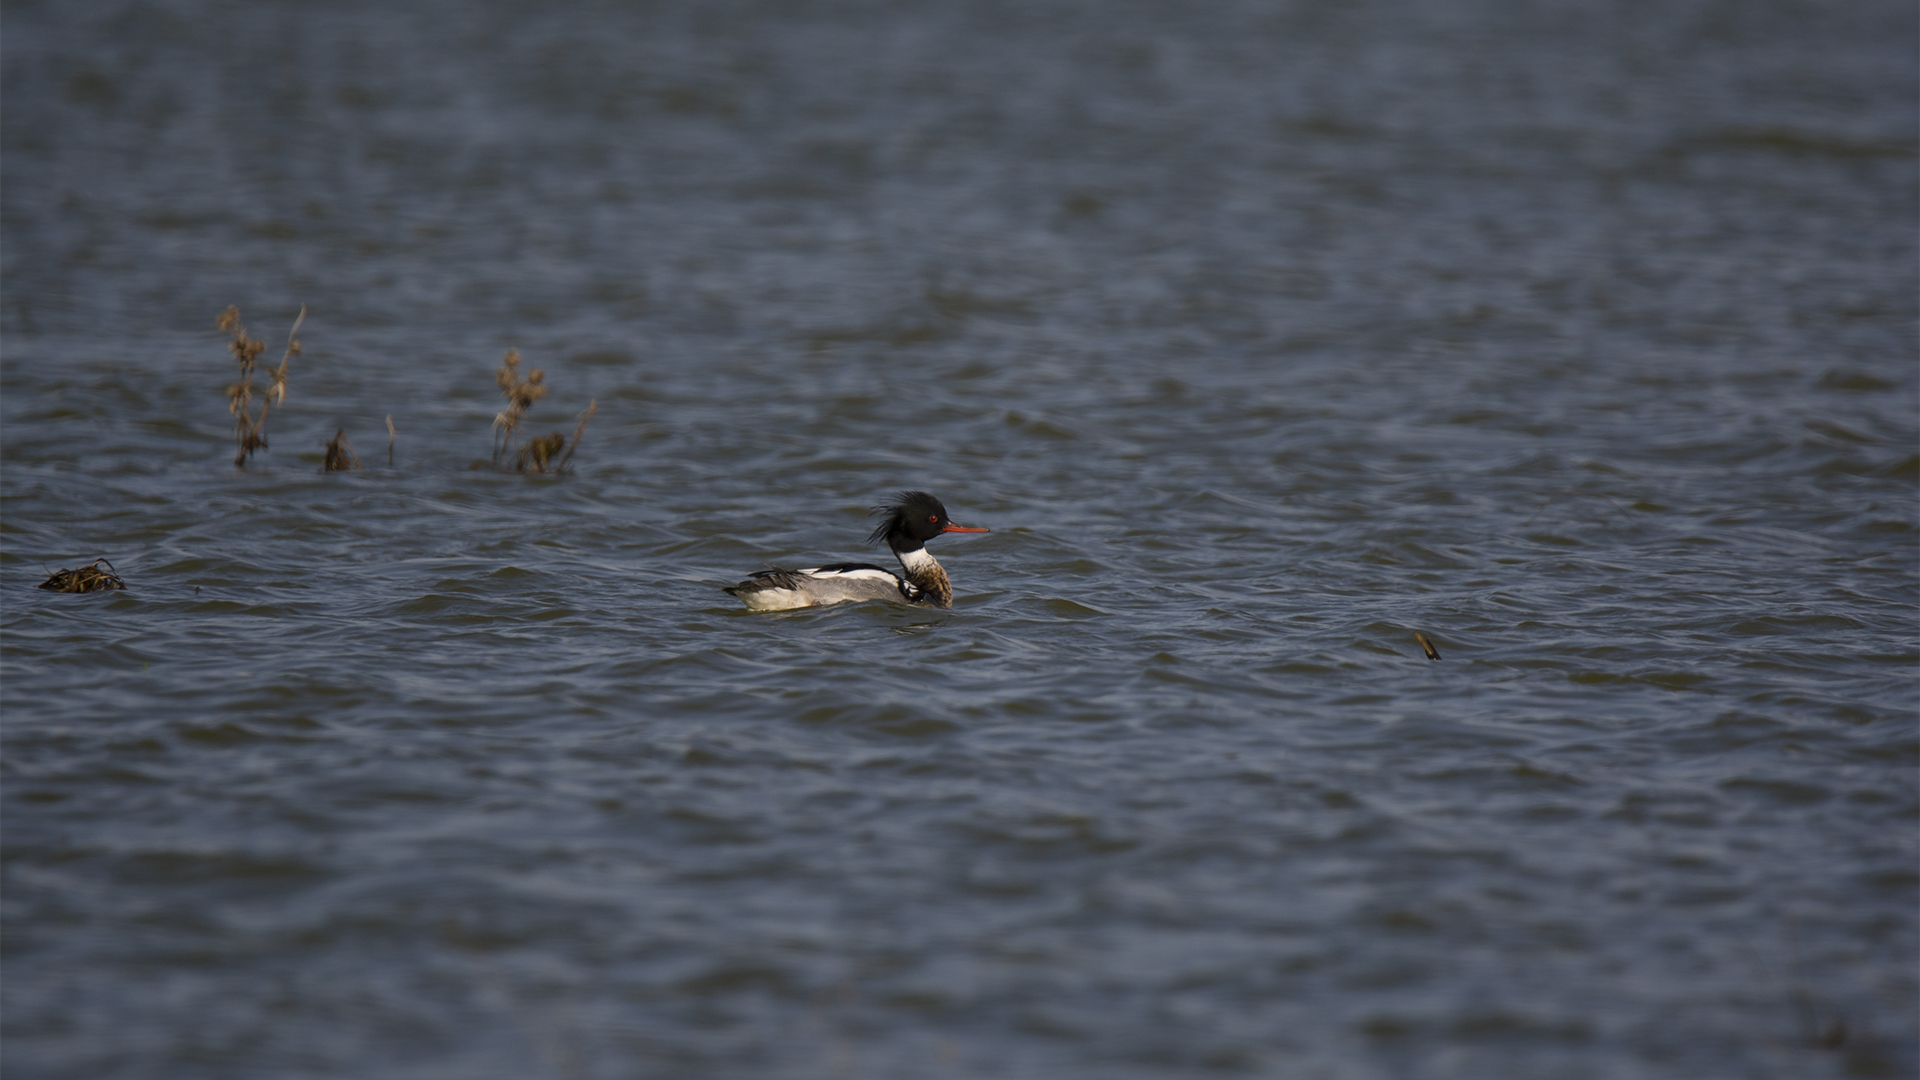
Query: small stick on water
{"x": 1576, "y": 494}
{"x": 1432, "y": 653}
{"x": 389, "y": 440}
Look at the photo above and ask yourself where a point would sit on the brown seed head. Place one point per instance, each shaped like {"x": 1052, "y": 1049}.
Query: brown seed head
{"x": 506, "y": 376}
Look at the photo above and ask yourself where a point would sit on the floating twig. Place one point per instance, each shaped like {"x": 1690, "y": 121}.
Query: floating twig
{"x": 1432, "y": 653}
{"x": 89, "y": 578}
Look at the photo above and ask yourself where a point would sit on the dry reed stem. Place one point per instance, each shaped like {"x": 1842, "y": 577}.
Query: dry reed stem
{"x": 249, "y": 430}
{"x": 593, "y": 406}
{"x": 1432, "y": 653}
{"x": 89, "y": 578}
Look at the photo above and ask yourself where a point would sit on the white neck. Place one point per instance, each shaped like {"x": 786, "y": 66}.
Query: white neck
{"x": 916, "y": 561}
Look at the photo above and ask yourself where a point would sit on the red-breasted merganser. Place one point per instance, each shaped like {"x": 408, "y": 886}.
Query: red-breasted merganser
{"x": 912, "y": 519}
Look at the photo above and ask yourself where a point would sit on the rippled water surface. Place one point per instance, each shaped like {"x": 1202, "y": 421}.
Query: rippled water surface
{"x": 1578, "y": 337}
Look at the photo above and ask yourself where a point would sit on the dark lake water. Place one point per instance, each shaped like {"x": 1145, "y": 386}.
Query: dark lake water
{"x": 1576, "y": 336}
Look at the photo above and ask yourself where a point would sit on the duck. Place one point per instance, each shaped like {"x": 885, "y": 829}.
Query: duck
{"x": 906, "y": 524}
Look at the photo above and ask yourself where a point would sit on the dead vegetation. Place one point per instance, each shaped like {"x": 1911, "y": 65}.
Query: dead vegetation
{"x": 89, "y": 578}
{"x": 514, "y": 449}
{"x": 250, "y": 428}
{"x": 1432, "y": 653}
{"x": 549, "y": 453}
{"x": 340, "y": 456}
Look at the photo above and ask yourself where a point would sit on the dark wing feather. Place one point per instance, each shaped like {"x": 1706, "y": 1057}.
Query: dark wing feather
{"x": 778, "y": 578}
{"x": 775, "y": 578}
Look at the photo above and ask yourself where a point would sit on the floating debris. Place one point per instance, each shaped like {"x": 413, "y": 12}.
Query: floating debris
{"x": 1432, "y": 653}
{"x": 340, "y": 455}
{"x": 89, "y": 578}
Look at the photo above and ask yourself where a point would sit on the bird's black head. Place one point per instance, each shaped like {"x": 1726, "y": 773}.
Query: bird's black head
{"x": 912, "y": 519}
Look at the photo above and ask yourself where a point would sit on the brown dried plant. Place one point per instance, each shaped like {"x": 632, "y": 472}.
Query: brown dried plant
{"x": 250, "y": 430}
{"x": 542, "y": 453}
{"x": 521, "y": 392}
{"x": 89, "y": 578}
{"x": 340, "y": 456}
